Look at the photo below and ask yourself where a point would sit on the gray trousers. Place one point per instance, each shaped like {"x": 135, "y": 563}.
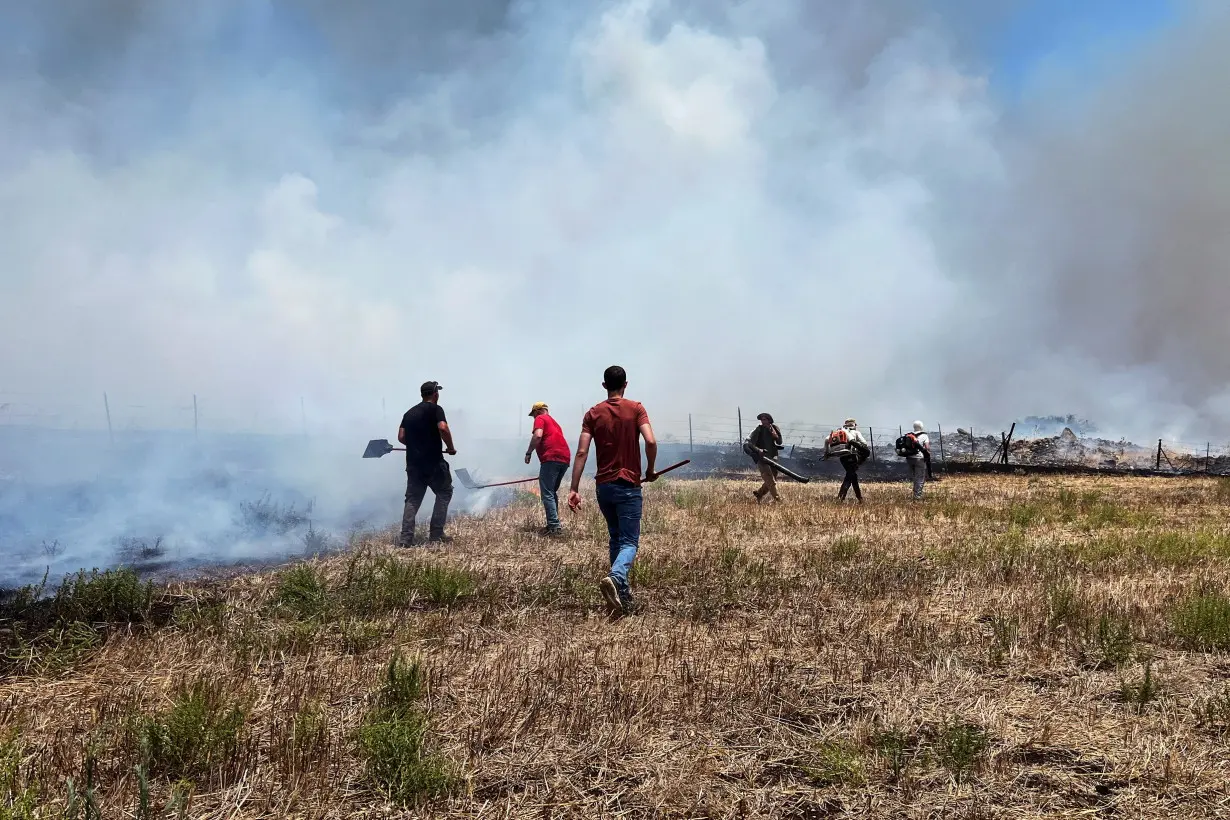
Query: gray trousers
{"x": 440, "y": 482}
{"x": 918, "y": 473}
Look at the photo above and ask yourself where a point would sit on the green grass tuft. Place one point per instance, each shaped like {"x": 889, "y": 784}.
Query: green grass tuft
{"x": 200, "y": 732}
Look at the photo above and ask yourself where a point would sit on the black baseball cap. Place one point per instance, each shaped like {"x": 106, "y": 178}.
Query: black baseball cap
{"x": 429, "y": 387}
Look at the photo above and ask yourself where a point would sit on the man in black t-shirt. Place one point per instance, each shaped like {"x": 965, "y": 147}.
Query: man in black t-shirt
{"x": 424, "y": 431}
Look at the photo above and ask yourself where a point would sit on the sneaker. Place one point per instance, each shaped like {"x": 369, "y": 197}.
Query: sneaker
{"x": 440, "y": 539}
{"x": 551, "y": 532}
{"x": 610, "y": 594}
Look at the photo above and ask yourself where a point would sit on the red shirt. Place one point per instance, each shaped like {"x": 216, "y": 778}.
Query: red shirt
{"x": 615, "y": 426}
{"x": 552, "y": 446}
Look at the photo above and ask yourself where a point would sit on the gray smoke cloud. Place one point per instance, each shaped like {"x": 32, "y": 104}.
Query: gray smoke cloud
{"x": 258, "y": 202}
{"x": 295, "y": 210}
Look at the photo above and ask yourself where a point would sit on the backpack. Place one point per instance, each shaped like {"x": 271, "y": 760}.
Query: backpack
{"x": 908, "y": 445}
{"x": 837, "y": 444}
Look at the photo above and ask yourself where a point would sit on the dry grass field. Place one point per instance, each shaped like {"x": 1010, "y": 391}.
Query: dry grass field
{"x": 1012, "y": 647}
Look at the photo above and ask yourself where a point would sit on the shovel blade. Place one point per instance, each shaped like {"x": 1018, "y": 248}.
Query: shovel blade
{"x": 463, "y": 475}
{"x": 377, "y": 447}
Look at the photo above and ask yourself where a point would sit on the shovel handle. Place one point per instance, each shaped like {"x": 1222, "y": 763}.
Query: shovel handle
{"x": 665, "y": 470}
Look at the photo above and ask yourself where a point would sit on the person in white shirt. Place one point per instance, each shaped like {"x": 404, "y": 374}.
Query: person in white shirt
{"x": 917, "y": 462}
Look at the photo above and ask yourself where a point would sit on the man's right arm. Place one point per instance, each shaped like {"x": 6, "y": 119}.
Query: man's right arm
{"x": 534, "y": 439}
{"x": 447, "y": 435}
{"x": 651, "y": 450}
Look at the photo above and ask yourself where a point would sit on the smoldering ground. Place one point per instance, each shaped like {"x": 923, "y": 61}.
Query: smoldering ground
{"x": 170, "y": 503}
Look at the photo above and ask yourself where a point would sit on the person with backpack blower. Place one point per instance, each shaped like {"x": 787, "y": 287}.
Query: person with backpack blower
{"x": 851, "y": 449}
{"x": 765, "y": 440}
{"x": 915, "y": 447}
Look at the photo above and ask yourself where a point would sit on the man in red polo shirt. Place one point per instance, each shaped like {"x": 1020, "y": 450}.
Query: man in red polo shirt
{"x": 553, "y": 457}
{"x": 616, "y": 426}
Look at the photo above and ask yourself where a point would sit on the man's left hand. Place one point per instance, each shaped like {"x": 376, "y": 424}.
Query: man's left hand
{"x": 527, "y": 458}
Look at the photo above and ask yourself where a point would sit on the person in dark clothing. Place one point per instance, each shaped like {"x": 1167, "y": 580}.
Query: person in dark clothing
{"x": 766, "y": 440}
{"x": 852, "y": 460}
{"x": 425, "y": 433}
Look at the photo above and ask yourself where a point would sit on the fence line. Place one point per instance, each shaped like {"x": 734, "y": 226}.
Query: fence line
{"x": 193, "y": 414}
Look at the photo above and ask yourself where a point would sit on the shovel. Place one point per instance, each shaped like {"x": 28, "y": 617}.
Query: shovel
{"x": 378, "y": 447}
{"x": 657, "y": 475}
{"x": 470, "y": 484}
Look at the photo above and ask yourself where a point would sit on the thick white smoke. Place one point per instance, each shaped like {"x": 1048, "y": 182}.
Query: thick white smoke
{"x": 708, "y": 194}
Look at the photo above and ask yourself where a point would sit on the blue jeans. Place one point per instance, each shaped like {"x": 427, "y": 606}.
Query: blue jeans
{"x": 620, "y": 503}
{"x": 550, "y": 476}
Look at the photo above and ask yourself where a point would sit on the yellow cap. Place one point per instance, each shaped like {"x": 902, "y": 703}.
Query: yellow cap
{"x": 538, "y": 405}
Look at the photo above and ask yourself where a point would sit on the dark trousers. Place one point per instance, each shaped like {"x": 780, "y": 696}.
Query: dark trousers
{"x": 550, "y": 476}
{"x": 851, "y": 479}
{"x": 440, "y": 481}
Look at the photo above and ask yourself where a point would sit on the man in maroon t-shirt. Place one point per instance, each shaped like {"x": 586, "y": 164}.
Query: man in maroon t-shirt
{"x": 553, "y": 457}
{"x": 615, "y": 427}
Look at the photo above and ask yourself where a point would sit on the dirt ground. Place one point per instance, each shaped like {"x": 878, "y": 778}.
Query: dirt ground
{"x": 1010, "y": 647}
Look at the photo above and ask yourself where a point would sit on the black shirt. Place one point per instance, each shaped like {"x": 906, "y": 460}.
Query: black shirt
{"x": 767, "y": 439}
{"x": 423, "y": 443}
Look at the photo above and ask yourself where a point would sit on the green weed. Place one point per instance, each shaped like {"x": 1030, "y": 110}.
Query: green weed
{"x": 1112, "y": 640}
{"x": 898, "y": 751}
{"x": 114, "y": 596}
{"x": 200, "y": 732}
{"x": 386, "y": 584}
{"x": 959, "y": 747}
{"x": 1004, "y": 632}
{"x": 1065, "y": 608}
{"x": 1202, "y": 622}
{"x": 360, "y": 636}
{"x": 444, "y": 585}
{"x": 1138, "y": 694}
{"x": 302, "y": 592}
{"x": 1213, "y": 713}
{"x": 835, "y": 764}
{"x": 18, "y": 799}
{"x": 392, "y": 740}
{"x": 845, "y": 548}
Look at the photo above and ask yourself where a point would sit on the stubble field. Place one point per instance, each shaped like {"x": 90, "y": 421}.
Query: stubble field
{"x": 1012, "y": 647}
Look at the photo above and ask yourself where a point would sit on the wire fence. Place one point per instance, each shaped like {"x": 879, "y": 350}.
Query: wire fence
{"x": 1054, "y": 444}
{"x": 966, "y": 444}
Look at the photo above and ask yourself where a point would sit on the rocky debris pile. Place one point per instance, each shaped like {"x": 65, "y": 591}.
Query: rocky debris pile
{"x": 1068, "y": 448}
